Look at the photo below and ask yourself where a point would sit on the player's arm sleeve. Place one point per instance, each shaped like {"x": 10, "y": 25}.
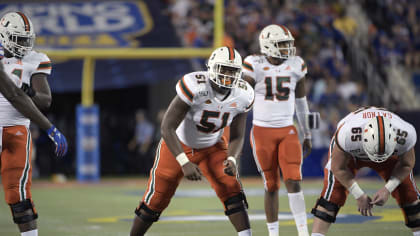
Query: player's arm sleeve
{"x": 411, "y": 137}
{"x": 249, "y": 98}
{"x": 300, "y": 68}
{"x": 185, "y": 90}
{"x": 44, "y": 64}
{"x": 248, "y": 68}
{"x": 340, "y": 138}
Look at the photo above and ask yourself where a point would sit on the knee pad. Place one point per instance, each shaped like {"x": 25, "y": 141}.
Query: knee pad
{"x": 236, "y": 204}
{"x": 412, "y": 211}
{"x": 272, "y": 185}
{"x": 327, "y": 205}
{"x": 23, "y": 212}
{"x": 147, "y": 214}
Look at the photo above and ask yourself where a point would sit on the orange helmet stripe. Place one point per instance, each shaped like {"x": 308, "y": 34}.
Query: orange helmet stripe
{"x": 381, "y": 134}
{"x": 231, "y": 53}
{"x": 25, "y": 20}
{"x": 286, "y": 31}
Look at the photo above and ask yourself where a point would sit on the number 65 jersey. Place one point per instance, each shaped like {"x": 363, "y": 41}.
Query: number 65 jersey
{"x": 349, "y": 132}
{"x": 209, "y": 113}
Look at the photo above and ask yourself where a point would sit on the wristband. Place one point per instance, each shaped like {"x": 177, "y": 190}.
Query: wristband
{"x": 355, "y": 190}
{"x": 231, "y": 158}
{"x": 182, "y": 159}
{"x": 392, "y": 184}
{"x": 307, "y": 136}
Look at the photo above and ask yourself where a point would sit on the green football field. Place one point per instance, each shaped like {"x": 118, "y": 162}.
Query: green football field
{"x": 106, "y": 208}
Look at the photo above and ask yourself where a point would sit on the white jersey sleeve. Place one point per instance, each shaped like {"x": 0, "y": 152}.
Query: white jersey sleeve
{"x": 246, "y": 97}
{"x": 187, "y": 88}
{"x": 299, "y": 67}
{"x": 43, "y": 63}
{"x": 248, "y": 67}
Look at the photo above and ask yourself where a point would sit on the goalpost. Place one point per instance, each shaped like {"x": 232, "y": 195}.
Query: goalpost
{"x": 87, "y": 123}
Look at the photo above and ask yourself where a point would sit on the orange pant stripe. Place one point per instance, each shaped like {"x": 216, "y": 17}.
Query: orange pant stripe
{"x": 24, "y": 179}
{"x": 151, "y": 186}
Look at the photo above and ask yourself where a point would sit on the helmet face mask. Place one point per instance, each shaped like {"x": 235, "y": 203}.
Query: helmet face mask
{"x": 277, "y": 41}
{"x": 17, "y": 34}
{"x": 379, "y": 139}
{"x": 225, "y": 67}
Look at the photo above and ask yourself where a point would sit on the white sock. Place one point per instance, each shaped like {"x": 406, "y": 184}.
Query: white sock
{"x": 298, "y": 208}
{"x": 317, "y": 234}
{"x": 273, "y": 228}
{"x": 30, "y": 233}
{"x": 417, "y": 233}
{"x": 246, "y": 232}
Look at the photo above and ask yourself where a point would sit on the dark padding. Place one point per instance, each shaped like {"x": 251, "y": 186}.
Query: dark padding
{"x": 23, "y": 212}
{"x": 151, "y": 216}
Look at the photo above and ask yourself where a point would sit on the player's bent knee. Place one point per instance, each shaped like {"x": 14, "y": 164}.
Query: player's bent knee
{"x": 147, "y": 214}
{"x": 272, "y": 186}
{"x": 236, "y": 204}
{"x": 412, "y": 215}
{"x": 329, "y": 206}
{"x": 23, "y": 212}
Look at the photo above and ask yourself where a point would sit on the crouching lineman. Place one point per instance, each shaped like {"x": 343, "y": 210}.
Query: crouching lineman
{"x": 192, "y": 145}
{"x": 375, "y": 138}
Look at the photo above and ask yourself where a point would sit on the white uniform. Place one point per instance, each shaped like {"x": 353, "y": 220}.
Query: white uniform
{"x": 274, "y": 89}
{"x": 208, "y": 115}
{"x": 350, "y": 128}
{"x": 21, "y": 71}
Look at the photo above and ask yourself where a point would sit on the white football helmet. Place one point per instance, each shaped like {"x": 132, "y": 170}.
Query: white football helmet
{"x": 275, "y": 40}
{"x": 222, "y": 60}
{"x": 17, "y": 33}
{"x": 379, "y": 139}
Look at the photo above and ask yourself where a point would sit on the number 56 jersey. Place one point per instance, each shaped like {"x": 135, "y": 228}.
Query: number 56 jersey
{"x": 349, "y": 132}
{"x": 209, "y": 113}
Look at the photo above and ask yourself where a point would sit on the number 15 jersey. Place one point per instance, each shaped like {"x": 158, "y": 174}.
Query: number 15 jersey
{"x": 274, "y": 89}
{"x": 203, "y": 124}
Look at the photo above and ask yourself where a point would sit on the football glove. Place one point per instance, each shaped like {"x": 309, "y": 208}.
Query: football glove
{"x": 59, "y": 140}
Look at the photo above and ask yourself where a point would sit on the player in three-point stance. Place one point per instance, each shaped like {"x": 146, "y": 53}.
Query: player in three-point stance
{"x": 22, "y": 70}
{"x": 278, "y": 77}
{"x": 192, "y": 144}
{"x": 375, "y": 138}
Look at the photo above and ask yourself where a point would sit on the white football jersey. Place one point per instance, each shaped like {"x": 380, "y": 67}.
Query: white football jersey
{"x": 20, "y": 71}
{"x": 349, "y": 132}
{"x": 274, "y": 89}
{"x": 203, "y": 125}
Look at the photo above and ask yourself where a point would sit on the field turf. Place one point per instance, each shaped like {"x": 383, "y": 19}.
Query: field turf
{"x": 106, "y": 208}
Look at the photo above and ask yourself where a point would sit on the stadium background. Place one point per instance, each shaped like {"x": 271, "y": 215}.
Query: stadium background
{"x": 358, "y": 53}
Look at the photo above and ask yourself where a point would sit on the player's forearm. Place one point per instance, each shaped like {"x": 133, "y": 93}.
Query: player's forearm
{"x": 404, "y": 165}
{"x": 26, "y": 107}
{"x": 345, "y": 176}
{"x": 42, "y": 101}
{"x": 235, "y": 146}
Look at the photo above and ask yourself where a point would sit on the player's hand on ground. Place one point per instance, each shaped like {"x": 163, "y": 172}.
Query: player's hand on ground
{"x": 307, "y": 147}
{"x": 380, "y": 197}
{"x": 230, "y": 167}
{"x": 59, "y": 140}
{"x": 191, "y": 171}
{"x": 364, "y": 205}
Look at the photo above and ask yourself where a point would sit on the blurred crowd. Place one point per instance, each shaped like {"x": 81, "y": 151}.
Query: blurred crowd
{"x": 395, "y": 34}
{"x": 318, "y": 29}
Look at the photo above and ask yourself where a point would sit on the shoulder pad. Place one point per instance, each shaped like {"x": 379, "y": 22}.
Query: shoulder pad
{"x": 43, "y": 61}
{"x": 246, "y": 95}
{"x": 299, "y": 66}
{"x": 190, "y": 87}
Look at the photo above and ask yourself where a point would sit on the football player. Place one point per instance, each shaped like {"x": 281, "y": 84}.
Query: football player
{"x": 192, "y": 144}
{"x": 18, "y": 68}
{"x": 278, "y": 77}
{"x": 375, "y": 138}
